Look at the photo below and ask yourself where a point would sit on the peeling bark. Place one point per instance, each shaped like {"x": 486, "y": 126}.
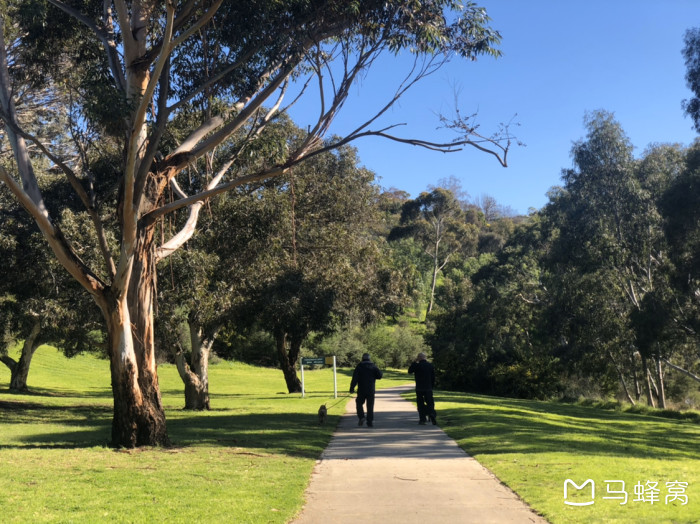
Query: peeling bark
{"x": 195, "y": 374}
{"x": 19, "y": 370}
{"x": 139, "y": 417}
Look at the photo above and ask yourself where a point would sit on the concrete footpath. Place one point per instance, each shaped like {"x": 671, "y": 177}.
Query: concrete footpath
{"x": 399, "y": 471}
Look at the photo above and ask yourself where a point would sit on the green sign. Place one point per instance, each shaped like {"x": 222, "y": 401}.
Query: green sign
{"x": 308, "y": 361}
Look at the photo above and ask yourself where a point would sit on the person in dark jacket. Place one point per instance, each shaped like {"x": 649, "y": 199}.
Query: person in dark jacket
{"x": 365, "y": 375}
{"x": 425, "y": 381}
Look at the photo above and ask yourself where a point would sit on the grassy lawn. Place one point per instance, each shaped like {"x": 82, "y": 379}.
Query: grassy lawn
{"x": 249, "y": 459}
{"x": 534, "y": 447}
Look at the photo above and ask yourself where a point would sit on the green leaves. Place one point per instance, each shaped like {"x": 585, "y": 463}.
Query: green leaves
{"x": 691, "y": 52}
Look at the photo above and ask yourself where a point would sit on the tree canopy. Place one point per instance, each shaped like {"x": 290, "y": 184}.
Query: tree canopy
{"x": 155, "y": 91}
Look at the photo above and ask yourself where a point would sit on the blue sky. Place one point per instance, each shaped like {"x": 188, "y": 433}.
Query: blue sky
{"x": 560, "y": 59}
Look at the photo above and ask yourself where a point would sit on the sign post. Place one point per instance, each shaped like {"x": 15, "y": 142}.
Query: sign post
{"x": 318, "y": 361}
{"x": 331, "y": 360}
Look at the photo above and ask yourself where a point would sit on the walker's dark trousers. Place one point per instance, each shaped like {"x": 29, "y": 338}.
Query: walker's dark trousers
{"x": 360, "y": 400}
{"x": 426, "y": 404}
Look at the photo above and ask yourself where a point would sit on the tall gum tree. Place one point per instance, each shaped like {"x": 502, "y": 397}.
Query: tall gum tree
{"x": 613, "y": 229}
{"x": 437, "y": 220}
{"x": 148, "y": 65}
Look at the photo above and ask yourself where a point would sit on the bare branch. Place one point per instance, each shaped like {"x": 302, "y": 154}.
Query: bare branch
{"x": 179, "y": 239}
{"x": 128, "y": 39}
{"x": 19, "y": 147}
{"x": 105, "y": 35}
{"x": 77, "y": 187}
{"x": 151, "y": 217}
{"x": 198, "y": 134}
{"x": 30, "y": 196}
{"x": 684, "y": 371}
{"x": 59, "y": 245}
{"x": 197, "y": 25}
{"x": 237, "y": 122}
{"x": 186, "y": 232}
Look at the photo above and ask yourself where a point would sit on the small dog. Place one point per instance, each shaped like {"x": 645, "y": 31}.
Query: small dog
{"x": 322, "y": 413}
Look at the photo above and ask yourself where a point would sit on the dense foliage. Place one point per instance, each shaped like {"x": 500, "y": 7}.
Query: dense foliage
{"x": 597, "y": 293}
{"x": 170, "y": 184}
{"x": 147, "y": 110}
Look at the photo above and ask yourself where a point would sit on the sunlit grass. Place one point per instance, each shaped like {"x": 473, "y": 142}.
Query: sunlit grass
{"x": 534, "y": 447}
{"x": 249, "y": 459}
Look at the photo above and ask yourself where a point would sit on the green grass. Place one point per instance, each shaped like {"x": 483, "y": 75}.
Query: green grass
{"x": 249, "y": 459}
{"x": 533, "y": 447}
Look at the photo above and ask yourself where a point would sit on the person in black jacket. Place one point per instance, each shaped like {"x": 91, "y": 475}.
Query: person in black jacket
{"x": 365, "y": 375}
{"x": 425, "y": 381}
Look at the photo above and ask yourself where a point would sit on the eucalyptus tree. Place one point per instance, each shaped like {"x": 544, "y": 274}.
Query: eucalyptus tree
{"x": 144, "y": 62}
{"x": 682, "y": 226}
{"x": 324, "y": 266}
{"x": 436, "y": 220}
{"x": 611, "y": 226}
{"x": 493, "y": 335}
{"x": 205, "y": 287}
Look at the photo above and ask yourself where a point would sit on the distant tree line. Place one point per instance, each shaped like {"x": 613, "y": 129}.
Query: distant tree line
{"x": 598, "y": 293}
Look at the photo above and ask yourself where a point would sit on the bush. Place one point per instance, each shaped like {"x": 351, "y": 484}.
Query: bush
{"x": 525, "y": 379}
{"x": 255, "y": 347}
{"x": 345, "y": 345}
{"x": 395, "y": 347}
{"x": 388, "y": 346}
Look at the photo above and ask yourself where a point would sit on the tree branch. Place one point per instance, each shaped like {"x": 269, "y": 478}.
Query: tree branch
{"x": 235, "y": 124}
{"x": 106, "y": 36}
{"x": 64, "y": 253}
{"x": 210, "y": 12}
{"x": 678, "y": 368}
{"x": 151, "y": 217}
{"x": 8, "y": 361}
{"x": 79, "y": 190}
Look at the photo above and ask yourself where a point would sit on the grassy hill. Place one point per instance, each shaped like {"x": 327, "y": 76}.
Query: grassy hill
{"x": 250, "y": 458}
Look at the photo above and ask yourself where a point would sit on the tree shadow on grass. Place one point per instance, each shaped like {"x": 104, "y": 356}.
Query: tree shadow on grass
{"x": 295, "y": 434}
{"x": 90, "y": 425}
{"x": 60, "y": 393}
{"x": 488, "y": 425}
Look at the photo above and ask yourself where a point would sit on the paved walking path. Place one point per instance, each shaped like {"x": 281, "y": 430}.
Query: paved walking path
{"x": 401, "y": 472}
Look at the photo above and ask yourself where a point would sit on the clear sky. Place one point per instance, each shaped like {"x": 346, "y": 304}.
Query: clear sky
{"x": 560, "y": 59}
